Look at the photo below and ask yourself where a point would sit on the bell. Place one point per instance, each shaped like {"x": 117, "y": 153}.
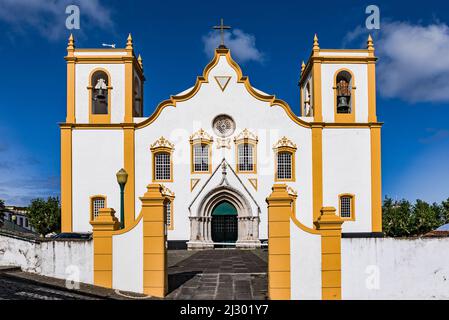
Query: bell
{"x": 100, "y": 95}
{"x": 343, "y": 105}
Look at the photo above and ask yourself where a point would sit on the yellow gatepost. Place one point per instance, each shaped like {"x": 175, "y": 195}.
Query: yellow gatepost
{"x": 103, "y": 226}
{"x": 279, "y": 212}
{"x": 155, "y": 281}
{"x": 329, "y": 225}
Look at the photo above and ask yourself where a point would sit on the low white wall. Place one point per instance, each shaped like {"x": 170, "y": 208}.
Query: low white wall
{"x": 386, "y": 268}
{"x": 58, "y": 259}
{"x": 305, "y": 264}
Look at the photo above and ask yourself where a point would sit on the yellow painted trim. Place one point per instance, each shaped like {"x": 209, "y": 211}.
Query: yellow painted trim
{"x": 193, "y": 183}
{"x": 353, "y": 213}
{"x": 240, "y": 79}
{"x": 100, "y": 118}
{"x": 66, "y": 179}
{"x": 345, "y": 117}
{"x": 254, "y": 146}
{"x": 279, "y": 213}
{"x": 157, "y": 150}
{"x": 103, "y": 228}
{"x": 372, "y": 104}
{"x": 292, "y": 151}
{"x": 204, "y": 142}
{"x": 376, "y": 179}
{"x": 129, "y": 166}
{"x": 317, "y": 92}
{"x": 226, "y": 84}
{"x": 91, "y": 201}
{"x": 329, "y": 225}
{"x": 70, "y": 91}
{"x": 129, "y": 91}
{"x": 317, "y": 170}
{"x": 253, "y": 183}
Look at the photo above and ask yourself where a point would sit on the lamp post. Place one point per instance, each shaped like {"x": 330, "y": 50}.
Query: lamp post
{"x": 14, "y": 218}
{"x": 122, "y": 178}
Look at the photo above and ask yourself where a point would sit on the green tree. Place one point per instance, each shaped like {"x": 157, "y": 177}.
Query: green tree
{"x": 444, "y": 213}
{"x": 424, "y": 218}
{"x": 2, "y": 212}
{"x": 396, "y": 218}
{"x": 45, "y": 216}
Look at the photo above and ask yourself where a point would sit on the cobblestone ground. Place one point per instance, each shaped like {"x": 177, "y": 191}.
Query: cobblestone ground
{"x": 219, "y": 275}
{"x": 17, "y": 289}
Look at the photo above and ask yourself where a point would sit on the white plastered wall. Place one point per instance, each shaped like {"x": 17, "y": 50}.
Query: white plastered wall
{"x": 395, "y": 268}
{"x": 127, "y": 260}
{"x": 305, "y": 264}
{"x": 347, "y": 169}
{"x": 96, "y": 157}
{"x": 269, "y": 123}
{"x": 117, "y": 81}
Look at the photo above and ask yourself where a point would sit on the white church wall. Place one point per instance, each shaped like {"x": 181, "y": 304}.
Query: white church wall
{"x": 347, "y": 169}
{"x": 98, "y": 155}
{"x": 360, "y": 72}
{"x": 305, "y": 264}
{"x": 127, "y": 260}
{"x": 117, "y": 81}
{"x": 178, "y": 123}
{"x": 74, "y": 258}
{"x": 395, "y": 268}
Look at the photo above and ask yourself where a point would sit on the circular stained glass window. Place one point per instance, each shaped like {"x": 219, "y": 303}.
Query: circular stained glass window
{"x": 223, "y": 125}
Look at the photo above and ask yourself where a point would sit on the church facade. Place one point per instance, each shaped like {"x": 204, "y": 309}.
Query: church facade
{"x": 219, "y": 146}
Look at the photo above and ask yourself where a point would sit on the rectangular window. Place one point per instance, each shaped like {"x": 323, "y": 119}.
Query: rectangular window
{"x": 167, "y": 208}
{"x": 284, "y": 166}
{"x": 346, "y": 207}
{"x": 245, "y": 157}
{"x": 162, "y": 166}
{"x": 97, "y": 204}
{"x": 201, "y": 158}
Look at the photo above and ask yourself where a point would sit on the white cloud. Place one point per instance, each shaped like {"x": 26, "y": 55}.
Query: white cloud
{"x": 414, "y": 60}
{"x": 48, "y": 17}
{"x": 241, "y": 44}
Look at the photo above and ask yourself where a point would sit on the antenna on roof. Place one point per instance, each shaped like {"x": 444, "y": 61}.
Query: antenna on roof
{"x": 108, "y": 45}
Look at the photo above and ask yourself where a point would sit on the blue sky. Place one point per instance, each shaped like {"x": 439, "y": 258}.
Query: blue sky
{"x": 270, "y": 39}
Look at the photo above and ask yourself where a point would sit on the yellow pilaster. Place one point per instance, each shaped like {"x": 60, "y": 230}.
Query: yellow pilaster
{"x": 317, "y": 169}
{"x": 66, "y": 178}
{"x": 279, "y": 212}
{"x": 129, "y": 81}
{"x": 129, "y": 162}
{"x": 329, "y": 225}
{"x": 316, "y": 82}
{"x": 103, "y": 226}
{"x": 372, "y": 116}
{"x": 155, "y": 281}
{"x": 70, "y": 58}
{"x": 376, "y": 179}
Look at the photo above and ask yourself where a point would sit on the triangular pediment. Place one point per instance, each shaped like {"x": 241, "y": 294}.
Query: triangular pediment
{"x": 224, "y": 176}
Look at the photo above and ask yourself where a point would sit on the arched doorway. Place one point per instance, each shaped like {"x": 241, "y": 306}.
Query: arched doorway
{"x": 224, "y": 224}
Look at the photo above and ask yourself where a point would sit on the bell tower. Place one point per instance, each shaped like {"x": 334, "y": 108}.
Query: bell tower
{"x": 104, "y": 86}
{"x": 338, "y": 85}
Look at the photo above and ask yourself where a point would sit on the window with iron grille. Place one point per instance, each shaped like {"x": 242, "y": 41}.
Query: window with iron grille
{"x": 284, "y": 169}
{"x": 245, "y": 157}
{"x": 346, "y": 207}
{"x": 97, "y": 204}
{"x": 167, "y": 209}
{"x": 162, "y": 166}
{"x": 201, "y": 158}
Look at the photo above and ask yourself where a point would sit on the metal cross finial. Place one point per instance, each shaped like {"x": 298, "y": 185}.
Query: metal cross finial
{"x": 222, "y": 28}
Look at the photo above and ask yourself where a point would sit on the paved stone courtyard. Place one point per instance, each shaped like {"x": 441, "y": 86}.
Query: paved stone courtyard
{"x": 218, "y": 274}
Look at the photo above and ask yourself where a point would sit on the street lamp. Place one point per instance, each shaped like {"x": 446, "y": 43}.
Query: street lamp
{"x": 122, "y": 177}
{"x": 14, "y": 218}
